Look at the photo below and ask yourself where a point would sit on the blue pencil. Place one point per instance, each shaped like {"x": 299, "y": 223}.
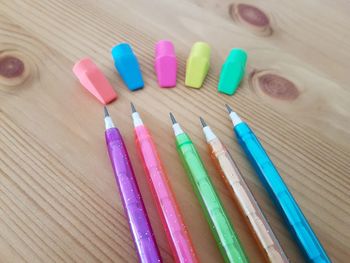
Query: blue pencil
{"x": 278, "y": 190}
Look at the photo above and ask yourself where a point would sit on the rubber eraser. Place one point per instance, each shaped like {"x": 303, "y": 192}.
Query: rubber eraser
{"x": 232, "y": 71}
{"x": 128, "y": 66}
{"x": 197, "y": 65}
{"x": 92, "y": 78}
{"x": 165, "y": 64}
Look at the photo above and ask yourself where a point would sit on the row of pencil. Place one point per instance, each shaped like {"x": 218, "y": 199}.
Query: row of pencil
{"x": 214, "y": 211}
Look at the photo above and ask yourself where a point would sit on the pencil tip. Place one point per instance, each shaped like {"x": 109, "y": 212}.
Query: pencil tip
{"x": 106, "y": 111}
{"x": 228, "y": 108}
{"x": 133, "y": 109}
{"x": 204, "y": 124}
{"x": 173, "y": 120}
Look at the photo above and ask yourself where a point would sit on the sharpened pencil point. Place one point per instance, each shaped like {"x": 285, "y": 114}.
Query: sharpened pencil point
{"x": 133, "y": 109}
{"x": 173, "y": 120}
{"x": 228, "y": 108}
{"x": 106, "y": 111}
{"x": 204, "y": 124}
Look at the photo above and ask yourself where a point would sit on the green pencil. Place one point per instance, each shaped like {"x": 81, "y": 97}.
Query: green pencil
{"x": 224, "y": 234}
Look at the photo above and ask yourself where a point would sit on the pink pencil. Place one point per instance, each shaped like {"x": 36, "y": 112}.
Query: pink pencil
{"x": 178, "y": 238}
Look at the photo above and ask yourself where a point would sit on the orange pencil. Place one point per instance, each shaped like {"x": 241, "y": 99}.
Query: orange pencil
{"x": 245, "y": 200}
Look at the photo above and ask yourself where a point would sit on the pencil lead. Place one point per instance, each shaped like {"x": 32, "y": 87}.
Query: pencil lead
{"x": 228, "y": 108}
{"x": 133, "y": 109}
{"x": 106, "y": 111}
{"x": 204, "y": 124}
{"x": 176, "y": 127}
{"x": 173, "y": 120}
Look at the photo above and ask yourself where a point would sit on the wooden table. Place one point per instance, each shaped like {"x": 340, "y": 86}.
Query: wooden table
{"x": 58, "y": 199}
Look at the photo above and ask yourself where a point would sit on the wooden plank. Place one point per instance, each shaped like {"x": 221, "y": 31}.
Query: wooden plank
{"x": 58, "y": 197}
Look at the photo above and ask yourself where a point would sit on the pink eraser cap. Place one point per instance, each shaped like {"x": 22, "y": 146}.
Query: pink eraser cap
{"x": 165, "y": 64}
{"x": 92, "y": 78}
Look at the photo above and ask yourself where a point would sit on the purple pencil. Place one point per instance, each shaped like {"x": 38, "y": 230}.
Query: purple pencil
{"x": 134, "y": 208}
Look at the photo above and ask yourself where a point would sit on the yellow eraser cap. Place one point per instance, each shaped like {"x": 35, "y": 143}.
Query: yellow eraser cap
{"x": 197, "y": 65}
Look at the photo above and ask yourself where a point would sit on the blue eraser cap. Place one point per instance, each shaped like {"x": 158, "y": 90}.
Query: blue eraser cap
{"x": 127, "y": 65}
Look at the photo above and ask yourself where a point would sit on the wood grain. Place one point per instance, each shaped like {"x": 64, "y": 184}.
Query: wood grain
{"x": 58, "y": 200}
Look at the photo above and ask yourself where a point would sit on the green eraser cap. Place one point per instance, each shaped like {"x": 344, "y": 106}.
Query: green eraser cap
{"x": 197, "y": 65}
{"x": 232, "y": 71}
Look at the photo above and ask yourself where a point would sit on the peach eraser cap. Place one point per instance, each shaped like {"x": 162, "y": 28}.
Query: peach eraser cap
{"x": 92, "y": 78}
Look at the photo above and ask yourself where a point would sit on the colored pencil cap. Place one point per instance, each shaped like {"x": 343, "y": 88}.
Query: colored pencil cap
{"x": 197, "y": 65}
{"x": 232, "y": 71}
{"x": 92, "y": 78}
{"x": 128, "y": 67}
{"x": 165, "y": 63}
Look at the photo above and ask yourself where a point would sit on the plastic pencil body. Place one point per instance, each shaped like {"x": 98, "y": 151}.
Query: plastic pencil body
{"x": 245, "y": 200}
{"x": 134, "y": 208}
{"x": 167, "y": 207}
{"x": 279, "y": 192}
{"x": 224, "y": 234}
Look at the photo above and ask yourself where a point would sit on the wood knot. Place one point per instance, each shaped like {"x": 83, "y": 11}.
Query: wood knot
{"x": 274, "y": 85}
{"x": 252, "y": 18}
{"x": 11, "y": 67}
{"x": 14, "y": 68}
